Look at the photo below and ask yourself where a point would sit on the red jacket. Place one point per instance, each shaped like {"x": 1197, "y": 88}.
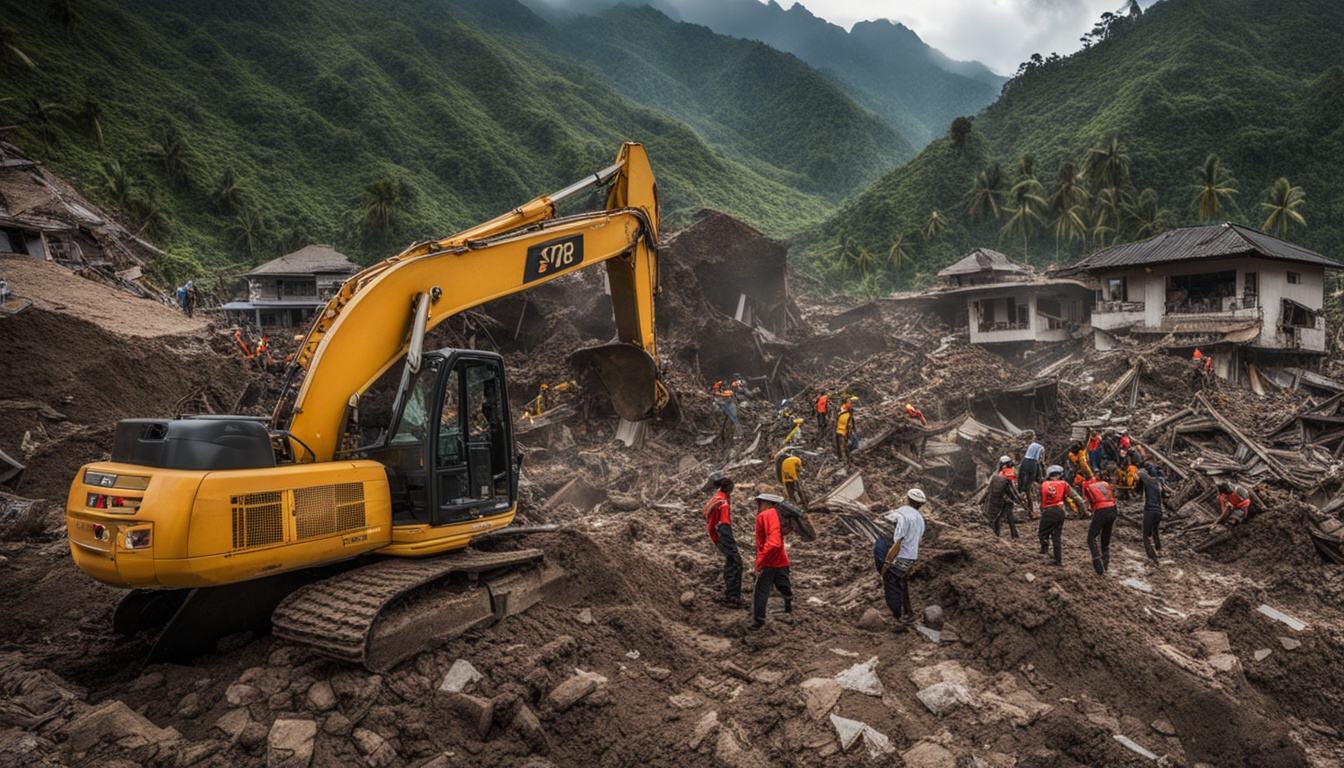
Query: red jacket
{"x": 821, "y": 403}
{"x": 1099, "y": 495}
{"x": 716, "y": 511}
{"x": 1008, "y": 473}
{"x": 770, "y": 541}
{"x": 1053, "y": 493}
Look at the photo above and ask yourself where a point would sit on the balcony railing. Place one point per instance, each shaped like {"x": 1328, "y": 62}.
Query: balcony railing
{"x": 1212, "y": 305}
{"x": 1106, "y": 307}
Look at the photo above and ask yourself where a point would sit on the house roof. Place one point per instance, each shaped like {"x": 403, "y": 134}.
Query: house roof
{"x": 1218, "y": 241}
{"x": 981, "y": 260}
{"x": 310, "y": 259}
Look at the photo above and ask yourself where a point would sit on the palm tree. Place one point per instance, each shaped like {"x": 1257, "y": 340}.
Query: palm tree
{"x": 90, "y": 119}
{"x": 986, "y": 193}
{"x": 1027, "y": 202}
{"x": 1108, "y": 206}
{"x": 856, "y": 259}
{"x": 1282, "y": 202}
{"x": 248, "y": 232}
{"x": 230, "y": 192}
{"x": 1108, "y": 166}
{"x": 118, "y": 185}
{"x": 1147, "y": 216}
{"x": 1068, "y": 206}
{"x": 155, "y": 223}
{"x": 898, "y": 255}
{"x": 383, "y": 207}
{"x": 935, "y": 225}
{"x": 170, "y": 149}
{"x": 1214, "y": 189}
{"x": 960, "y": 134}
{"x": 7, "y": 38}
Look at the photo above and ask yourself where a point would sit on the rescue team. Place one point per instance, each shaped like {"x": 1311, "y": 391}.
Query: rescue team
{"x": 1104, "y": 468}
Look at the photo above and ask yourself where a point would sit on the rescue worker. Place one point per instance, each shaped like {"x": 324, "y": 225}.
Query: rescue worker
{"x": 262, "y": 354}
{"x": 1104, "y": 511}
{"x": 823, "y": 415}
{"x": 1127, "y": 480}
{"x": 1054, "y": 492}
{"x": 895, "y": 557}
{"x": 844, "y": 430}
{"x": 1029, "y": 471}
{"x": 1002, "y": 495}
{"x": 727, "y": 401}
{"x": 1093, "y": 448}
{"x": 1234, "y": 504}
{"x": 543, "y": 398}
{"x": 772, "y": 561}
{"x": 915, "y": 414}
{"x": 1079, "y": 463}
{"x": 1154, "y": 489}
{"x": 718, "y": 518}
{"x": 189, "y": 299}
{"x": 788, "y": 467}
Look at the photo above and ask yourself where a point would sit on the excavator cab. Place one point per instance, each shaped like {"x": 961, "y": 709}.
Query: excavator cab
{"x": 449, "y": 453}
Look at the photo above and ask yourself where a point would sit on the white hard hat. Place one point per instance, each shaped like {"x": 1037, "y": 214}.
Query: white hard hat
{"x": 916, "y": 495}
{"x": 1005, "y": 460}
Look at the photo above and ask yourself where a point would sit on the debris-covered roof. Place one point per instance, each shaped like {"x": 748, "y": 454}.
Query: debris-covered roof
{"x": 308, "y": 260}
{"x": 982, "y": 260}
{"x": 1218, "y": 241}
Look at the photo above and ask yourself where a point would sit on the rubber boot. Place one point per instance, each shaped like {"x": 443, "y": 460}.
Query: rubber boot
{"x": 788, "y": 605}
{"x": 1149, "y": 548}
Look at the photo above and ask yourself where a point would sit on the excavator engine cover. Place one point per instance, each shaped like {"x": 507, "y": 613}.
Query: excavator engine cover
{"x": 630, "y": 377}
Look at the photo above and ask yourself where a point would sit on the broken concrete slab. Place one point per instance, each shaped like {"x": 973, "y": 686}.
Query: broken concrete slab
{"x": 114, "y": 721}
{"x": 1278, "y": 615}
{"x": 461, "y": 678}
{"x": 943, "y": 697}
{"x": 861, "y": 678}
{"x": 848, "y": 731}
{"x": 529, "y": 728}
{"x": 1289, "y": 644}
{"x": 820, "y": 695}
{"x": 704, "y": 728}
{"x": 290, "y": 743}
{"x": 477, "y": 712}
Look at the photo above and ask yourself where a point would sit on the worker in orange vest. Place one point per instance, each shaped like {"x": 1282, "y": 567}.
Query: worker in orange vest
{"x": 1234, "y": 503}
{"x": 1102, "y": 500}
{"x": 916, "y": 414}
{"x": 823, "y": 415}
{"x": 1054, "y": 492}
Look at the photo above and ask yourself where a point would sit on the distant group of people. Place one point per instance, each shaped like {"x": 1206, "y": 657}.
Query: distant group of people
{"x": 894, "y": 555}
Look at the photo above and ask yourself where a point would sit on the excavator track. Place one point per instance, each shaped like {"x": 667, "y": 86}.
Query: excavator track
{"x": 380, "y": 614}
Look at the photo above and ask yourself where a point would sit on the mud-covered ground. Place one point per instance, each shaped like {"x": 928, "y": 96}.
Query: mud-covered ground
{"x": 634, "y": 662}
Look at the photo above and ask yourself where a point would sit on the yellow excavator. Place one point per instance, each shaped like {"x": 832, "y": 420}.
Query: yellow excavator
{"x": 222, "y": 524}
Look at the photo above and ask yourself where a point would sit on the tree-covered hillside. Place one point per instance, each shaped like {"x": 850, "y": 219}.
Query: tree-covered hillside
{"x": 233, "y": 131}
{"x": 1115, "y": 142}
{"x": 749, "y": 100}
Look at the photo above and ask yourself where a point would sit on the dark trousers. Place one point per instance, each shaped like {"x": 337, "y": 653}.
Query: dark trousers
{"x": 1005, "y": 512}
{"x": 767, "y": 579}
{"x": 794, "y": 489}
{"x": 1102, "y": 521}
{"x": 732, "y": 564}
{"x": 1152, "y": 518}
{"x": 842, "y": 447}
{"x": 1026, "y": 475}
{"x": 822, "y": 421}
{"x": 895, "y": 588}
{"x": 1052, "y": 529}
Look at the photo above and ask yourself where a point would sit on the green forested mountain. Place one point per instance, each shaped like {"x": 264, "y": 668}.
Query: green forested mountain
{"x": 231, "y": 131}
{"x": 751, "y": 101}
{"x": 1261, "y": 85}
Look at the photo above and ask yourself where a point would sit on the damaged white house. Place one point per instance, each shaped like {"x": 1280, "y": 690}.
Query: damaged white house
{"x": 288, "y": 291}
{"x": 1224, "y": 288}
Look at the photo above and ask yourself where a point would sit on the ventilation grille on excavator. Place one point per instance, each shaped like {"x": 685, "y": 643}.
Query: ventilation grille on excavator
{"x": 258, "y": 519}
{"x": 326, "y": 509}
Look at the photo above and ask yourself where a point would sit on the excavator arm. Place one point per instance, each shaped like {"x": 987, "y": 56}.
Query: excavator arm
{"x": 368, "y": 326}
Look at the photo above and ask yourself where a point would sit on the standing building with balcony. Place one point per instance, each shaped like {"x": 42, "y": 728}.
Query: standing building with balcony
{"x": 1002, "y": 302}
{"x": 1226, "y": 289}
{"x": 288, "y": 291}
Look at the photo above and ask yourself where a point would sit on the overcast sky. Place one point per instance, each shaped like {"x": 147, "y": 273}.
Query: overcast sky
{"x": 999, "y": 33}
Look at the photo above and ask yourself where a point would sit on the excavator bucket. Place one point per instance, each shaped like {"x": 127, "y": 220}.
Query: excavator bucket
{"x": 630, "y": 377}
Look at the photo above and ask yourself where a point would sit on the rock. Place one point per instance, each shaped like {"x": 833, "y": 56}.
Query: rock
{"x": 850, "y": 731}
{"x": 585, "y": 616}
{"x": 461, "y": 677}
{"x": 1213, "y": 642}
{"x": 377, "y": 752}
{"x": 561, "y": 647}
{"x": 290, "y": 743}
{"x": 477, "y": 712}
{"x": 871, "y": 620}
{"x": 658, "y": 673}
{"x": 704, "y": 728}
{"x": 320, "y": 697}
{"x": 573, "y": 690}
{"x": 943, "y": 697}
{"x": 233, "y": 722}
{"x": 190, "y": 706}
{"x": 933, "y": 616}
{"x": 942, "y": 672}
{"x": 241, "y": 694}
{"x": 861, "y": 678}
{"x": 1030, "y": 577}
{"x": 1164, "y": 727}
{"x": 147, "y": 681}
{"x": 1262, "y": 654}
{"x": 529, "y": 728}
{"x": 726, "y": 749}
{"x": 1224, "y": 662}
{"x": 281, "y": 702}
{"x": 337, "y": 724}
{"x": 927, "y": 754}
{"x": 687, "y": 599}
{"x": 1290, "y": 644}
{"x": 932, "y": 635}
{"x": 686, "y": 700}
{"x": 625, "y": 503}
{"x": 1103, "y": 720}
{"x": 114, "y": 721}
{"x": 253, "y": 737}
{"x": 820, "y": 695}
{"x": 733, "y": 670}
{"x": 766, "y": 676}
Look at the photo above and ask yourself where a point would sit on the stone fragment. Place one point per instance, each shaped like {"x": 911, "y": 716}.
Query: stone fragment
{"x": 1135, "y": 747}
{"x": 733, "y": 670}
{"x": 848, "y": 731}
{"x": 871, "y": 620}
{"x": 585, "y": 616}
{"x": 932, "y": 635}
{"x": 658, "y": 673}
{"x": 1262, "y": 654}
{"x": 1224, "y": 662}
{"x": 253, "y": 737}
{"x": 1290, "y": 644}
{"x": 820, "y": 695}
{"x": 147, "y": 681}
{"x": 1030, "y": 577}
{"x": 927, "y": 754}
{"x": 686, "y": 700}
{"x": 933, "y": 616}
{"x": 241, "y": 694}
{"x": 1213, "y": 642}
{"x": 337, "y": 724}
{"x": 1278, "y": 615}
{"x": 687, "y": 599}
{"x": 376, "y": 750}
{"x": 574, "y": 689}
{"x": 529, "y": 728}
{"x": 320, "y": 697}
{"x": 233, "y": 722}
{"x": 704, "y": 728}
{"x": 943, "y": 697}
{"x": 190, "y": 706}
{"x": 1164, "y": 727}
{"x": 766, "y": 676}
{"x": 114, "y": 721}
{"x": 861, "y": 678}
{"x": 289, "y": 744}
{"x": 477, "y": 712}
{"x": 462, "y": 677}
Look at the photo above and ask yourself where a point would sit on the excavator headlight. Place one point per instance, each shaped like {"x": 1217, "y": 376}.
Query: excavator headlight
{"x": 137, "y": 538}
{"x": 100, "y": 479}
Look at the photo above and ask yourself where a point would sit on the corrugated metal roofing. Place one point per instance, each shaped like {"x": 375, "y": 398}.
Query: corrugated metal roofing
{"x": 981, "y": 260}
{"x": 1219, "y": 241}
{"x": 308, "y": 260}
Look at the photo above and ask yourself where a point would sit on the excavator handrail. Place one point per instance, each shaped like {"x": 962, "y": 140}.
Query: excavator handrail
{"x": 365, "y": 327}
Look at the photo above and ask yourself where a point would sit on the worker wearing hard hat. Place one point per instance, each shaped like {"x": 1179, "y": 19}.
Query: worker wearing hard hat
{"x": 895, "y": 557}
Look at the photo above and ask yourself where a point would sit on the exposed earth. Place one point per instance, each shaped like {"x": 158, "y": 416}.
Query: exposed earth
{"x": 635, "y": 663}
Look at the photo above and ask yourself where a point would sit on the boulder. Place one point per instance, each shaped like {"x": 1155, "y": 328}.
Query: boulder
{"x": 933, "y": 616}
{"x": 320, "y": 697}
{"x": 871, "y": 620}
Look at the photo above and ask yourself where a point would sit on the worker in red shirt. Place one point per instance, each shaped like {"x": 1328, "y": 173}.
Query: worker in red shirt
{"x": 772, "y": 561}
{"x": 720, "y": 525}
{"x": 1234, "y": 504}
{"x": 1054, "y": 492}
{"x": 1102, "y": 500}
{"x": 823, "y": 415}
